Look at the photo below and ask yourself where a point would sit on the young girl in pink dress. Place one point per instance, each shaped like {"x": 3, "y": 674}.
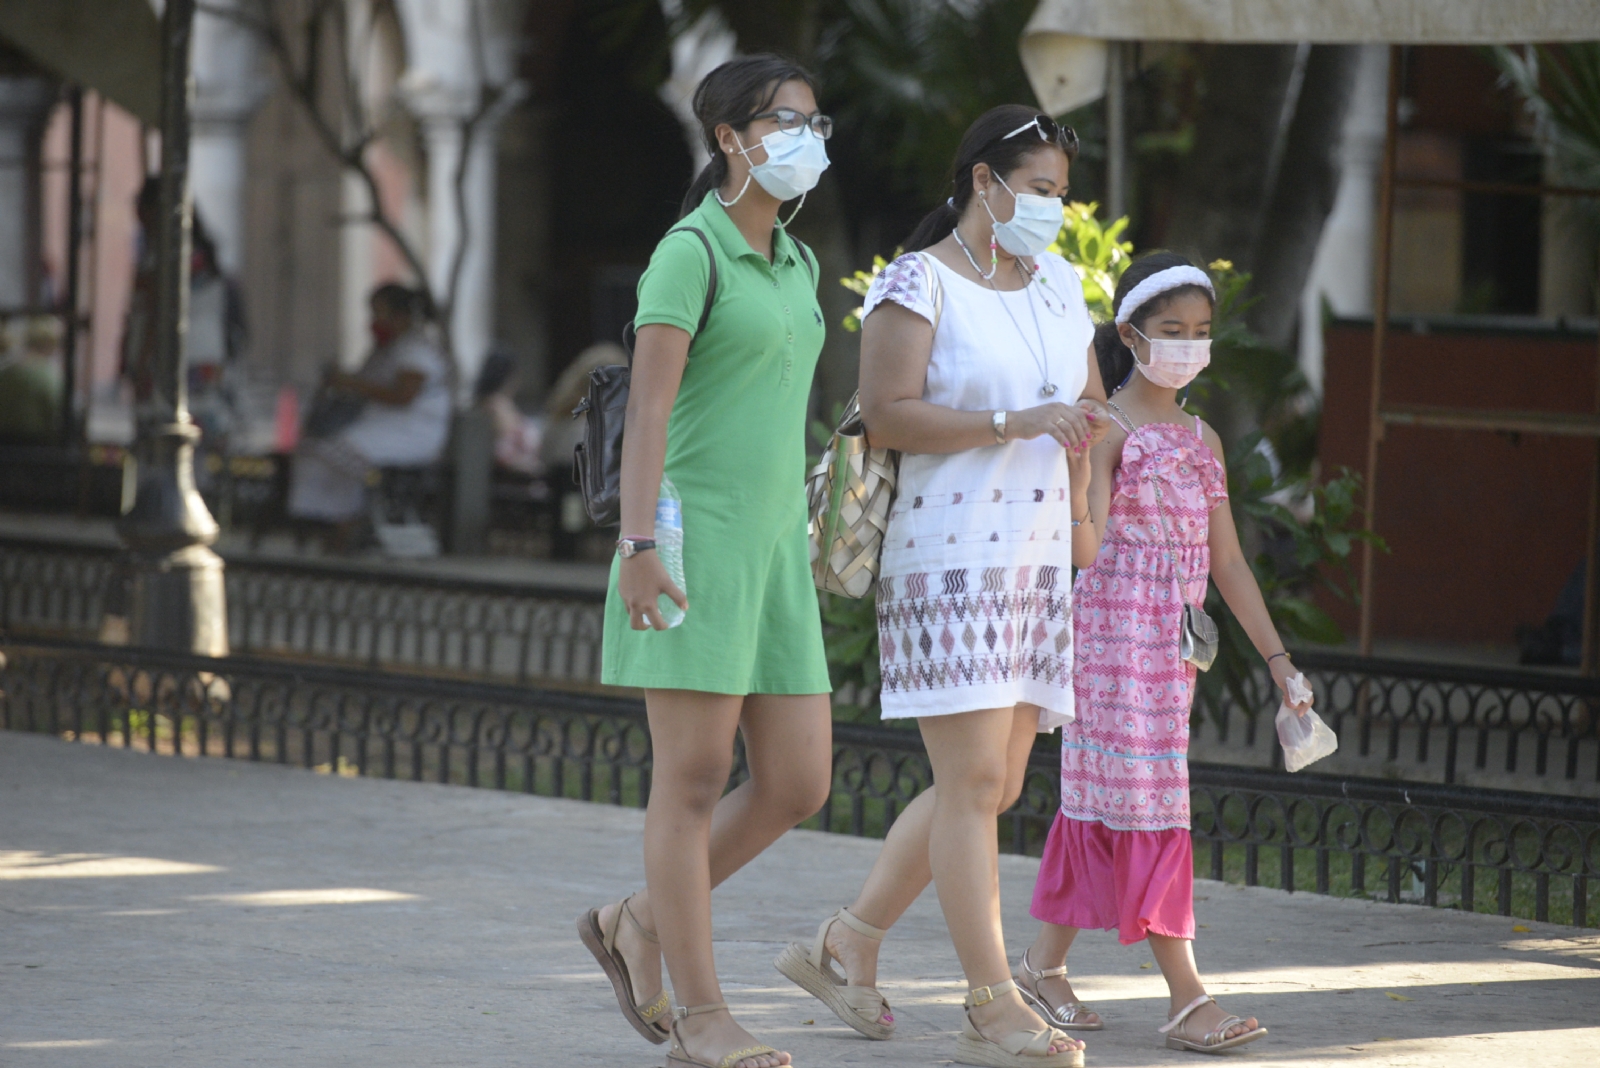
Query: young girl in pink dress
{"x": 1119, "y": 855}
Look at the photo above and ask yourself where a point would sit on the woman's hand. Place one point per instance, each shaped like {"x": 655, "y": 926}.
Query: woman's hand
{"x": 640, "y": 580}
{"x": 1282, "y": 671}
{"x": 1070, "y": 425}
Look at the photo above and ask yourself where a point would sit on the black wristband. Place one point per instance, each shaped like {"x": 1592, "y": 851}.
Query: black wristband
{"x": 1275, "y": 656}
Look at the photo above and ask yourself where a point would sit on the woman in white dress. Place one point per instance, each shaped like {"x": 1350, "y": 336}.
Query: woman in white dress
{"x": 977, "y": 364}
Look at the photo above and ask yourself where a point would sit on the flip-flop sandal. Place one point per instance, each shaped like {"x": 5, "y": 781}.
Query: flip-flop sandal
{"x": 649, "y": 1020}
{"x": 1068, "y": 1014}
{"x": 1213, "y": 1041}
{"x": 862, "y": 1007}
{"x": 678, "y": 1057}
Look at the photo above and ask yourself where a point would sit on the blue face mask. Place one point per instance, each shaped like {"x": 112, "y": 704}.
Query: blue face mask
{"x": 793, "y": 166}
{"x": 1033, "y": 226}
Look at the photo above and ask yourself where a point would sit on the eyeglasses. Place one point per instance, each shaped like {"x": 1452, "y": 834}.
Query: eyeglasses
{"x": 792, "y": 122}
{"x": 1049, "y": 130}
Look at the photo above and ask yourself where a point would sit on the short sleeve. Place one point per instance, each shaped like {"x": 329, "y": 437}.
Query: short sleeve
{"x": 905, "y": 282}
{"x": 673, "y": 289}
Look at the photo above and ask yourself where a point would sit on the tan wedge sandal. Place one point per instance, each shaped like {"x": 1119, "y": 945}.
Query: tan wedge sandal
{"x": 678, "y": 1057}
{"x": 649, "y": 1020}
{"x": 862, "y": 1007}
{"x": 1019, "y": 1049}
{"x": 1213, "y": 1041}
{"x": 1069, "y": 1015}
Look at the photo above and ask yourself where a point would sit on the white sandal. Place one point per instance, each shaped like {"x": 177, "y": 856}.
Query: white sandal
{"x": 1213, "y": 1041}
{"x": 1067, "y": 1015}
{"x": 862, "y": 1007}
{"x": 1019, "y": 1049}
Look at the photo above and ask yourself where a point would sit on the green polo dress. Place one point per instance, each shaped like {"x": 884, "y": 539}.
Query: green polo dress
{"x": 736, "y": 452}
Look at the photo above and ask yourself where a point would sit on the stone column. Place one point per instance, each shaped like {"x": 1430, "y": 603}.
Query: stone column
{"x": 1342, "y": 272}
{"x": 443, "y": 115}
{"x": 228, "y": 89}
{"x": 24, "y": 106}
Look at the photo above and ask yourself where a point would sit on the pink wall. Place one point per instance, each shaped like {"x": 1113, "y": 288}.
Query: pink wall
{"x": 113, "y": 172}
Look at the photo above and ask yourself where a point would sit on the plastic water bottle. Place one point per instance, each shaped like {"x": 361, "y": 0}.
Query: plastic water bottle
{"x": 669, "y": 546}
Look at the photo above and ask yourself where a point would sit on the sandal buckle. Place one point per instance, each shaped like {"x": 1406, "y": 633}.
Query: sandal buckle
{"x": 981, "y": 996}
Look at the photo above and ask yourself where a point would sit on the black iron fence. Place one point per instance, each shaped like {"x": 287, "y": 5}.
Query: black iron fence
{"x": 1512, "y": 853}
{"x": 1430, "y": 722}
{"x": 332, "y": 612}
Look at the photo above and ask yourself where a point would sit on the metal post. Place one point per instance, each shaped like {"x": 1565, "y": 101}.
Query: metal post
{"x": 1590, "y": 656}
{"x": 69, "y": 333}
{"x": 177, "y": 594}
{"x": 1116, "y": 131}
{"x": 1380, "y": 335}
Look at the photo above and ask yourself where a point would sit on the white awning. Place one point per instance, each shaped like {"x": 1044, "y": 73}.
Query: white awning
{"x": 111, "y": 46}
{"x": 1063, "y": 47}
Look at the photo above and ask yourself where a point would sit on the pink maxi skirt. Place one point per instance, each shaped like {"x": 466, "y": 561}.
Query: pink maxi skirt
{"x": 1134, "y": 881}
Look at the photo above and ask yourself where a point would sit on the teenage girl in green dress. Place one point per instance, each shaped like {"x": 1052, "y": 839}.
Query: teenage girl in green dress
{"x": 722, "y": 413}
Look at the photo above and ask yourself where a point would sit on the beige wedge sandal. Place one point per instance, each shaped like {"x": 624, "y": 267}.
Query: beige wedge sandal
{"x": 1069, "y": 1015}
{"x": 1213, "y": 1041}
{"x": 678, "y": 1057}
{"x": 862, "y": 1007}
{"x": 1019, "y": 1049}
{"x": 649, "y": 1020}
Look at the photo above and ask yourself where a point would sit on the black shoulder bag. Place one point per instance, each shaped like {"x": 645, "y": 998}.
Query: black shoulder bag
{"x": 597, "y": 459}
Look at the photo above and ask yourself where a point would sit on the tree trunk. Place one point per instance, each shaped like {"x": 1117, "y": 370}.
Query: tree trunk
{"x": 1217, "y": 210}
{"x": 1307, "y": 183}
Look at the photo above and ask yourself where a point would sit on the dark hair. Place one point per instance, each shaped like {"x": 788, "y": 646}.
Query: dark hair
{"x": 396, "y": 298}
{"x": 735, "y": 93}
{"x": 984, "y": 142}
{"x": 1116, "y": 362}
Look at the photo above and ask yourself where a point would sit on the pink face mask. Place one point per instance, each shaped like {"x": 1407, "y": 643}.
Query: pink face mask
{"x": 1173, "y": 363}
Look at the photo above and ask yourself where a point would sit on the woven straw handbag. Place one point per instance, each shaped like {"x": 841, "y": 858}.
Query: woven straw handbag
{"x": 850, "y": 490}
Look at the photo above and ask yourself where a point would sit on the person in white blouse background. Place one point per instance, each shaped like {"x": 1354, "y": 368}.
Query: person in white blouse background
{"x": 977, "y": 365}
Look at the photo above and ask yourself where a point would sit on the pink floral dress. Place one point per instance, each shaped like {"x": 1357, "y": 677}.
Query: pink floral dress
{"x": 1119, "y": 854}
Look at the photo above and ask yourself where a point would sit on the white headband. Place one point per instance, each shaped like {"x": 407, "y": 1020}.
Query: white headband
{"x": 1159, "y": 283}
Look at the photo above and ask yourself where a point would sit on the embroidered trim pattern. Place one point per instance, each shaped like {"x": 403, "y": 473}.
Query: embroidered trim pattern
{"x": 974, "y": 626}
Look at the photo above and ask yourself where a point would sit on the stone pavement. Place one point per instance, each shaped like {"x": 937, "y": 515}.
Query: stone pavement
{"x": 164, "y": 912}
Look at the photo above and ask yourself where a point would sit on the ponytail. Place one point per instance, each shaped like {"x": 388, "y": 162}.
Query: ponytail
{"x": 934, "y": 228}
{"x": 711, "y": 176}
{"x": 1115, "y": 361}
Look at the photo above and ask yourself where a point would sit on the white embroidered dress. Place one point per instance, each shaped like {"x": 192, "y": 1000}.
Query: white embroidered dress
{"x": 975, "y": 591}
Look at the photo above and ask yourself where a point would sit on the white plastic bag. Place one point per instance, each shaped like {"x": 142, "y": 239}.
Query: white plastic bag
{"x": 1306, "y": 739}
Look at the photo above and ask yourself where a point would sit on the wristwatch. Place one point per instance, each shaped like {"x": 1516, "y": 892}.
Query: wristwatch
{"x": 998, "y": 421}
{"x": 634, "y": 546}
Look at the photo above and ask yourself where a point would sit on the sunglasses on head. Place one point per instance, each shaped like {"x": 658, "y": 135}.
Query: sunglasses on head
{"x": 1049, "y": 130}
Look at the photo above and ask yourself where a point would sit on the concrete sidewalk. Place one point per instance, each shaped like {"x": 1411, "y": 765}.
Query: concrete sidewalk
{"x": 166, "y": 912}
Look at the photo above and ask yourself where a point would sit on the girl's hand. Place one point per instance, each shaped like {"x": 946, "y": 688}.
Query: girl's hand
{"x": 1068, "y": 424}
{"x": 1282, "y": 672}
{"x": 640, "y": 580}
{"x": 1099, "y": 419}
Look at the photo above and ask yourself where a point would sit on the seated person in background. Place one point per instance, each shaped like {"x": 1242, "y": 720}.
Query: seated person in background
{"x": 30, "y": 385}
{"x": 393, "y": 412}
{"x": 517, "y": 435}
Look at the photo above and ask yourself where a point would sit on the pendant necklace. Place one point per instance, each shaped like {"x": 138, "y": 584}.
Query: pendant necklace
{"x": 1042, "y": 363}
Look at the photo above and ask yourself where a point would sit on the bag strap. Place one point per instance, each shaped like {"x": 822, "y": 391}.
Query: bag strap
{"x": 805, "y": 254}
{"x": 628, "y": 331}
{"x": 711, "y": 280}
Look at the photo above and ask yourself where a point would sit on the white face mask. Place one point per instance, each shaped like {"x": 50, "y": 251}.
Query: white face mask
{"x": 793, "y": 167}
{"x": 1033, "y": 226}
{"x": 1174, "y": 363}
